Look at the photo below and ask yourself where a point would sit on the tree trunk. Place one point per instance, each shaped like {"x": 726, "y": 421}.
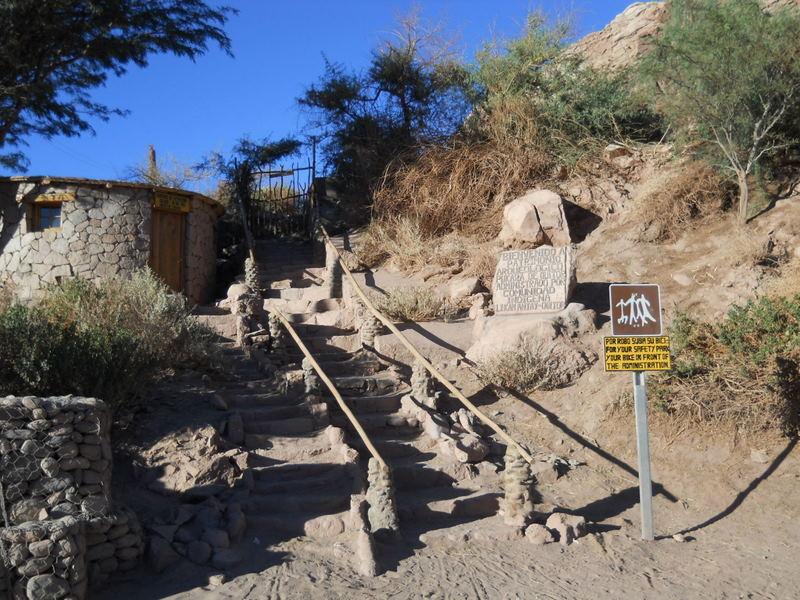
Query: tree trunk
{"x": 744, "y": 196}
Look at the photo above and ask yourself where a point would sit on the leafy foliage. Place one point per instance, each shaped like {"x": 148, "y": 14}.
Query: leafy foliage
{"x": 727, "y": 73}
{"x": 53, "y": 52}
{"x": 105, "y": 340}
{"x": 411, "y": 93}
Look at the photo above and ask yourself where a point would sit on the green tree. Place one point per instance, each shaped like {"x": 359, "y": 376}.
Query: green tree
{"x": 728, "y": 74}
{"x": 54, "y": 52}
{"x": 412, "y": 92}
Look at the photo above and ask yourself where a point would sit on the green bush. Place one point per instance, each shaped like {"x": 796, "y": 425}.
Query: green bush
{"x": 742, "y": 371}
{"x": 105, "y": 340}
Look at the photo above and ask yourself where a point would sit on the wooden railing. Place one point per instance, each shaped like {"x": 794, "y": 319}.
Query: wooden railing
{"x": 424, "y": 361}
{"x": 329, "y": 384}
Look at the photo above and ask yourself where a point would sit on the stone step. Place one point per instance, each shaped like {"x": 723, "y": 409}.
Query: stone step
{"x": 384, "y": 403}
{"x": 292, "y": 426}
{"x": 295, "y": 524}
{"x": 314, "y": 447}
{"x": 375, "y": 425}
{"x": 413, "y": 476}
{"x": 445, "y": 501}
{"x": 332, "y": 478}
{"x": 379, "y": 384}
{"x": 259, "y": 414}
{"x": 388, "y": 449}
{"x": 319, "y": 502}
{"x": 261, "y": 401}
{"x": 289, "y": 472}
{"x": 285, "y": 294}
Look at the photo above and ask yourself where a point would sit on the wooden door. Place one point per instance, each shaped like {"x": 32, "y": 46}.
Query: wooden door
{"x": 166, "y": 247}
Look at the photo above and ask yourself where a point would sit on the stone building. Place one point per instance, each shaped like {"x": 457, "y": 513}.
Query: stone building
{"x": 58, "y": 227}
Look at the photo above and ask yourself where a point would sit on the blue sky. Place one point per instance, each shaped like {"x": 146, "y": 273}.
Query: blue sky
{"x": 187, "y": 110}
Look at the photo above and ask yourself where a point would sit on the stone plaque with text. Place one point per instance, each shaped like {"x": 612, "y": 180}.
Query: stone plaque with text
{"x": 534, "y": 281}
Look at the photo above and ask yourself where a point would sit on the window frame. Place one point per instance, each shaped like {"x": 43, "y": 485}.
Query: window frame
{"x": 37, "y": 206}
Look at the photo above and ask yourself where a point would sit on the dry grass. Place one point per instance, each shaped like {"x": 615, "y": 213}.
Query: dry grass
{"x": 787, "y": 284}
{"x": 464, "y": 186}
{"x": 402, "y": 242}
{"x": 414, "y": 304}
{"x": 524, "y": 370}
{"x": 694, "y": 192}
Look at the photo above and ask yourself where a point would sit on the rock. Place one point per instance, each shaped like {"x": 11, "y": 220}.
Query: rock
{"x": 470, "y": 448}
{"x": 216, "y": 537}
{"x": 538, "y": 535}
{"x": 325, "y": 526}
{"x": 101, "y": 551}
{"x": 679, "y": 537}
{"x": 548, "y": 339}
{"x": 463, "y": 287}
{"x": 544, "y": 472}
{"x": 27, "y": 510}
{"x": 759, "y": 457}
{"x": 47, "y": 587}
{"x": 41, "y": 549}
{"x": 236, "y": 429}
{"x": 198, "y": 552}
{"x": 568, "y": 527}
{"x": 216, "y": 580}
{"x": 49, "y": 466}
{"x": 225, "y": 558}
{"x": 219, "y": 402}
{"x": 236, "y": 525}
{"x": 614, "y": 151}
{"x": 435, "y": 425}
{"x": 160, "y": 554}
{"x": 535, "y": 219}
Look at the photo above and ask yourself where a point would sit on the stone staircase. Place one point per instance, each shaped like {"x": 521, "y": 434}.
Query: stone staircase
{"x": 303, "y": 468}
{"x": 429, "y": 486}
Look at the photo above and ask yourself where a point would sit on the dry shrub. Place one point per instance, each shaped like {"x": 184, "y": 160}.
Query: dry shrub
{"x": 524, "y": 370}
{"x": 402, "y": 243}
{"x": 694, "y": 192}
{"x": 744, "y": 371}
{"x": 464, "y": 186}
{"x": 418, "y": 303}
{"x": 6, "y": 296}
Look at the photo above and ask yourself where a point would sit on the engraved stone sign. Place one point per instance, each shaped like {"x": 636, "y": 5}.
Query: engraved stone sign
{"x": 534, "y": 281}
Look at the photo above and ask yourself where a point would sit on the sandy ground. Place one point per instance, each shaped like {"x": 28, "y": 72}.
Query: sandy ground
{"x": 734, "y": 499}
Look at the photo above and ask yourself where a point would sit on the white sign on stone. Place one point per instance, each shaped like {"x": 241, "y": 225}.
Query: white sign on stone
{"x": 534, "y": 281}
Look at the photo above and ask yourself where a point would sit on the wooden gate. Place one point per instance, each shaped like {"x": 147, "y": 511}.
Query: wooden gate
{"x": 168, "y": 231}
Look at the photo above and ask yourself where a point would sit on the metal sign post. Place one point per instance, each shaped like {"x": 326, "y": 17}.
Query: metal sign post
{"x": 636, "y": 345}
{"x": 643, "y": 448}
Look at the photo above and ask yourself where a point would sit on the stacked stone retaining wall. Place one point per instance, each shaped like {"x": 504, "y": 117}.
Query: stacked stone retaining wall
{"x": 55, "y": 472}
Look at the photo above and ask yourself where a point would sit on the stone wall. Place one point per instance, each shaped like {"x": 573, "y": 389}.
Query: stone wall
{"x": 45, "y": 560}
{"x": 55, "y": 457}
{"x": 201, "y": 252}
{"x": 105, "y": 232}
{"x": 55, "y": 465}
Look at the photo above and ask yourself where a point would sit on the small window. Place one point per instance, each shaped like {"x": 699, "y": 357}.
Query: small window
{"x": 46, "y": 216}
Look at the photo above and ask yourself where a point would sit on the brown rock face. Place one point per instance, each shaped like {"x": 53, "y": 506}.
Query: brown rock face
{"x": 623, "y": 41}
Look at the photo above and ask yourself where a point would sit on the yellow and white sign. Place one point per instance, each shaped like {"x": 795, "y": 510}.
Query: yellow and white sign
{"x": 172, "y": 202}
{"x": 637, "y": 353}
{"x": 54, "y": 198}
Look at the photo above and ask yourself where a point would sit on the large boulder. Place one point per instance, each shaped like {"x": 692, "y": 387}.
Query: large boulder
{"x": 552, "y": 340}
{"x": 535, "y": 219}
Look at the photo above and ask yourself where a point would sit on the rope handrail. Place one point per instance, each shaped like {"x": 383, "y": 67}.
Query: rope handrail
{"x": 329, "y": 384}
{"x": 425, "y": 362}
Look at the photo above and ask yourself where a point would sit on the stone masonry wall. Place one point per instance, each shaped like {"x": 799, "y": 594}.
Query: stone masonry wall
{"x": 55, "y": 465}
{"x": 201, "y": 252}
{"x": 105, "y": 232}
